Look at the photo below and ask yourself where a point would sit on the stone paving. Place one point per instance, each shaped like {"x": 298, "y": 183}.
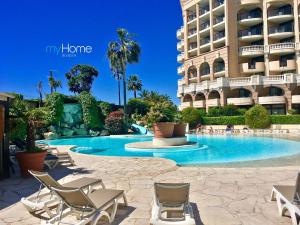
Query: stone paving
{"x": 220, "y": 196}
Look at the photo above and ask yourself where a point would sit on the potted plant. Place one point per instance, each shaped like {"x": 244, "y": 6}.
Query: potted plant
{"x": 161, "y": 117}
{"x": 32, "y": 158}
{"x": 179, "y": 126}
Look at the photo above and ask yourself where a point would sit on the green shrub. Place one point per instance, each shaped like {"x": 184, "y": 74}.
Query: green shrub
{"x": 285, "y": 119}
{"x": 192, "y": 116}
{"x": 17, "y": 129}
{"x": 115, "y": 123}
{"x": 92, "y": 116}
{"x": 228, "y": 110}
{"x": 136, "y": 105}
{"x": 55, "y": 105}
{"x": 39, "y": 114}
{"x": 257, "y": 117}
{"x": 106, "y": 108}
{"x": 224, "y": 120}
{"x": 18, "y": 107}
{"x": 292, "y": 111}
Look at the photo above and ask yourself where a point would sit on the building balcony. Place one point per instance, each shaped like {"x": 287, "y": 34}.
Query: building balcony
{"x": 213, "y": 102}
{"x": 249, "y": 2}
{"x": 282, "y": 48}
{"x": 204, "y": 12}
{"x": 192, "y": 48}
{"x": 192, "y": 18}
{"x": 277, "y": 66}
{"x": 248, "y": 19}
{"x": 219, "y": 74}
{"x": 204, "y": 28}
{"x": 180, "y": 46}
{"x": 180, "y": 58}
{"x": 280, "y": 16}
{"x": 193, "y": 79}
{"x": 180, "y": 70}
{"x": 218, "y": 6}
{"x": 180, "y": 33}
{"x": 240, "y": 81}
{"x": 281, "y": 32}
{"x": 199, "y": 104}
{"x": 257, "y": 67}
{"x": 204, "y": 43}
{"x": 276, "y": 1}
{"x": 219, "y": 37}
{"x": 240, "y": 101}
{"x": 296, "y": 99}
{"x": 192, "y": 32}
{"x": 251, "y": 51}
{"x": 270, "y": 100}
{"x": 250, "y": 35}
{"x": 219, "y": 23}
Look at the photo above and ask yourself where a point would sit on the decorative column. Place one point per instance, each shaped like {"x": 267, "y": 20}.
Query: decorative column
{"x": 198, "y": 35}
{"x": 296, "y": 30}
{"x": 266, "y": 37}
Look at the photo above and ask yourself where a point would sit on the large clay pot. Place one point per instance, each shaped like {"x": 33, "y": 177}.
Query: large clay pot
{"x": 179, "y": 130}
{"x": 163, "y": 130}
{"x": 31, "y": 161}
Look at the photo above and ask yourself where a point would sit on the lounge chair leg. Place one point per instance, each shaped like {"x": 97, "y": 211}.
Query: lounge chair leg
{"x": 102, "y": 184}
{"x": 279, "y": 205}
{"x": 98, "y": 216}
{"x": 114, "y": 211}
{"x": 293, "y": 217}
{"x": 125, "y": 200}
{"x": 273, "y": 195}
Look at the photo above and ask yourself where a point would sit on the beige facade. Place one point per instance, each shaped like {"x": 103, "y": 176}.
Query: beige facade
{"x": 254, "y": 43}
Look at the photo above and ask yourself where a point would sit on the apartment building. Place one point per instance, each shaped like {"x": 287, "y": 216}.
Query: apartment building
{"x": 240, "y": 52}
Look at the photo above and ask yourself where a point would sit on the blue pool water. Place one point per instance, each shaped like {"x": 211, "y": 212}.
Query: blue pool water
{"x": 210, "y": 149}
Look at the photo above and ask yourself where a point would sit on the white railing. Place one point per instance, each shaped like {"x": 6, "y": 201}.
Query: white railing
{"x": 279, "y": 46}
{"x": 240, "y": 81}
{"x": 179, "y": 31}
{"x": 251, "y": 48}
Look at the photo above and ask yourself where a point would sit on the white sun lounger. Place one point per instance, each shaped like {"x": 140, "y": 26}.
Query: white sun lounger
{"x": 171, "y": 205}
{"x": 45, "y": 201}
{"x": 288, "y": 199}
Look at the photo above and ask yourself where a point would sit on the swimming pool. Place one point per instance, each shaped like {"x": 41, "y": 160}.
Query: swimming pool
{"x": 210, "y": 149}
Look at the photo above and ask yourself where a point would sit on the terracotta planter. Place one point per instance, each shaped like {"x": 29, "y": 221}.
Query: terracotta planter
{"x": 31, "y": 161}
{"x": 179, "y": 130}
{"x": 163, "y": 130}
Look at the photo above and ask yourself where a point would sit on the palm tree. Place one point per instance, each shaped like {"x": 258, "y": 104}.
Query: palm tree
{"x": 54, "y": 84}
{"x": 39, "y": 88}
{"x": 134, "y": 84}
{"x": 116, "y": 68}
{"x": 122, "y": 52}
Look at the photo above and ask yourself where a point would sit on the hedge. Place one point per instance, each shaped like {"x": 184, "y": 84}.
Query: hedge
{"x": 240, "y": 120}
{"x": 224, "y": 120}
{"x": 285, "y": 119}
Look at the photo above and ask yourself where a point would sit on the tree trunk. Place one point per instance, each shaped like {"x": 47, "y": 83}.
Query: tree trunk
{"x": 124, "y": 95}
{"x": 119, "y": 92}
{"x": 134, "y": 92}
{"x": 41, "y": 100}
{"x": 30, "y": 138}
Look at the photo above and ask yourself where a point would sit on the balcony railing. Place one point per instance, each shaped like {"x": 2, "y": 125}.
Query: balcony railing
{"x": 204, "y": 10}
{"x": 244, "y": 33}
{"x": 204, "y": 41}
{"x": 273, "y": 30}
{"x": 246, "y": 16}
{"x": 280, "y": 12}
{"x": 218, "y": 3}
{"x": 218, "y": 19}
{"x": 192, "y": 31}
{"x": 279, "y": 46}
{"x": 251, "y": 48}
{"x": 192, "y": 17}
{"x": 205, "y": 25}
{"x": 219, "y": 35}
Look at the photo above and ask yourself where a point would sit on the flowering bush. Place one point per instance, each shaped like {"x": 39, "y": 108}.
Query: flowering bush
{"x": 115, "y": 123}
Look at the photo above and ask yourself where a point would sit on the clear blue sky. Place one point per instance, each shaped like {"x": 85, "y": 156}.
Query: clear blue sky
{"x": 28, "y": 26}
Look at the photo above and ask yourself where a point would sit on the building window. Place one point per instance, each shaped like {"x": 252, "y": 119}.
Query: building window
{"x": 276, "y": 109}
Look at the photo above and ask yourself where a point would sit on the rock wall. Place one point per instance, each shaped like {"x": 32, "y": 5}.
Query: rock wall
{"x": 72, "y": 121}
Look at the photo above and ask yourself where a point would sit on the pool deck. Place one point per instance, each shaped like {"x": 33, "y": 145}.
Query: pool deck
{"x": 221, "y": 196}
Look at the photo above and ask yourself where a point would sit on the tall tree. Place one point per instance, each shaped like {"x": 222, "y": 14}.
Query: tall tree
{"x": 126, "y": 51}
{"x": 134, "y": 84}
{"x": 81, "y": 77}
{"x": 54, "y": 84}
{"x": 116, "y": 69}
{"x": 39, "y": 88}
